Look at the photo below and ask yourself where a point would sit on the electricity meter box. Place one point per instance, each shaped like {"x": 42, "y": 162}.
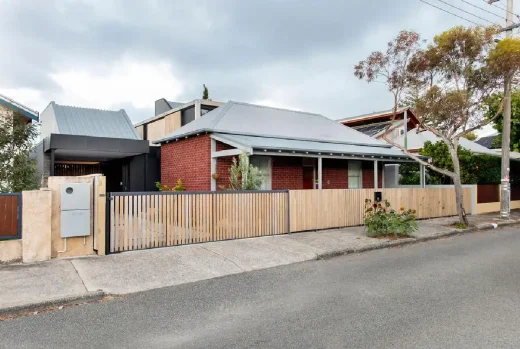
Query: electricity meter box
{"x": 75, "y": 209}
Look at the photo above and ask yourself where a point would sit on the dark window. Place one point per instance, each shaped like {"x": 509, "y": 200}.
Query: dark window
{"x": 206, "y": 109}
{"x": 187, "y": 115}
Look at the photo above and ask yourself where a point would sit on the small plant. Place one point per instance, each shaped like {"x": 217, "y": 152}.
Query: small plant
{"x": 178, "y": 187}
{"x": 243, "y": 175}
{"x": 381, "y": 220}
{"x": 460, "y": 225}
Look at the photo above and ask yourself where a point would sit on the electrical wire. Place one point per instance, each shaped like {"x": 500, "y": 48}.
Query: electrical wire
{"x": 483, "y": 9}
{"x": 451, "y": 13}
{"x": 469, "y": 13}
{"x": 501, "y": 7}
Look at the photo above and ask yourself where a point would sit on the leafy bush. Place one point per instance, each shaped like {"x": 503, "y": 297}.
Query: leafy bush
{"x": 381, "y": 220}
{"x": 178, "y": 187}
{"x": 243, "y": 175}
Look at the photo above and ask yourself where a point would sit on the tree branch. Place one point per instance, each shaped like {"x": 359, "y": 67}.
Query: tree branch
{"x": 463, "y": 133}
{"x": 419, "y": 160}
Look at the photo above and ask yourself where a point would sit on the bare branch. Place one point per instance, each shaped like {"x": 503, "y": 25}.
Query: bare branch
{"x": 419, "y": 160}
{"x": 482, "y": 124}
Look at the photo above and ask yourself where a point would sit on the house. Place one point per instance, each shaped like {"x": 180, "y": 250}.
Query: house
{"x": 293, "y": 149}
{"x": 494, "y": 142}
{"x": 7, "y": 105}
{"x": 416, "y": 140}
{"x": 491, "y": 142}
{"x": 374, "y": 124}
{"x": 81, "y": 141}
{"x": 169, "y": 116}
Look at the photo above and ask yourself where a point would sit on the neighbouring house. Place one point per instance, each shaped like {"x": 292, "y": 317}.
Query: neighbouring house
{"x": 375, "y": 124}
{"x": 415, "y": 140}
{"x": 293, "y": 149}
{"x": 81, "y": 141}
{"x": 8, "y": 105}
{"x": 494, "y": 142}
{"x": 170, "y": 116}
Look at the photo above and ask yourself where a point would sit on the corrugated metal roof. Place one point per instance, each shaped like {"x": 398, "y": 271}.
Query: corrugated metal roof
{"x": 375, "y": 113}
{"x": 488, "y": 141}
{"x": 276, "y": 144}
{"x": 18, "y": 107}
{"x": 93, "y": 122}
{"x": 248, "y": 119}
{"x": 372, "y": 129}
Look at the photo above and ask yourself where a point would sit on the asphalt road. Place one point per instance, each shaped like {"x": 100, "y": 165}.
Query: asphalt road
{"x": 462, "y": 292}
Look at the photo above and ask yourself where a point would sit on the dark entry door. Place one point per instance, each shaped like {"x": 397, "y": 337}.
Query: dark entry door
{"x": 308, "y": 178}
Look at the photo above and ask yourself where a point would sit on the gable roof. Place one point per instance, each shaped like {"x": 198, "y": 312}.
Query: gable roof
{"x": 18, "y": 107}
{"x": 255, "y": 120}
{"x": 376, "y": 115}
{"x": 488, "y": 141}
{"x": 416, "y": 141}
{"x": 374, "y": 130}
{"x": 93, "y": 122}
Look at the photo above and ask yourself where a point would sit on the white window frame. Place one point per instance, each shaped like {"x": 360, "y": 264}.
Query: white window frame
{"x": 266, "y": 184}
{"x": 355, "y": 170}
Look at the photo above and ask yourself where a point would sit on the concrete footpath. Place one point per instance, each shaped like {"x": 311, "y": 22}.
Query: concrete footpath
{"x": 64, "y": 280}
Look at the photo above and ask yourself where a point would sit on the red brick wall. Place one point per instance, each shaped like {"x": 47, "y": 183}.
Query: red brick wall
{"x": 287, "y": 173}
{"x": 188, "y": 160}
{"x": 223, "y": 166}
{"x": 335, "y": 174}
{"x": 368, "y": 174}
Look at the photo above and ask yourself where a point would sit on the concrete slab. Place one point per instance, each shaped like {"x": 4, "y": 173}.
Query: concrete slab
{"x": 136, "y": 271}
{"x": 264, "y": 252}
{"x": 32, "y": 283}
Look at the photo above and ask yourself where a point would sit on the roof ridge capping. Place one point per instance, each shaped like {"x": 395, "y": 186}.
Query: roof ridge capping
{"x": 77, "y": 107}
{"x": 277, "y": 108}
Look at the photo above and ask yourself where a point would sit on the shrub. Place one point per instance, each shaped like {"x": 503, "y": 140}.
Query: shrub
{"x": 382, "y": 220}
{"x": 178, "y": 187}
{"x": 243, "y": 175}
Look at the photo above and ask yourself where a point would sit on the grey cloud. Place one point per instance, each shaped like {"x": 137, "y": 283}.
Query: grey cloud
{"x": 243, "y": 50}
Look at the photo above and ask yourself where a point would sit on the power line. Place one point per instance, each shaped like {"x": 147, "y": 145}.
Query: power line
{"x": 483, "y": 9}
{"x": 469, "y": 13}
{"x": 501, "y": 7}
{"x": 451, "y": 13}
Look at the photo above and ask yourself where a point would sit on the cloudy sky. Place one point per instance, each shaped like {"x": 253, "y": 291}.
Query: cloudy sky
{"x": 296, "y": 54}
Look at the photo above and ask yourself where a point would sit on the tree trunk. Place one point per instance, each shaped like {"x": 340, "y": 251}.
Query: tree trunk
{"x": 459, "y": 196}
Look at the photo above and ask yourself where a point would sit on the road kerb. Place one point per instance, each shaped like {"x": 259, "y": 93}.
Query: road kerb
{"x": 403, "y": 242}
{"x": 88, "y": 296}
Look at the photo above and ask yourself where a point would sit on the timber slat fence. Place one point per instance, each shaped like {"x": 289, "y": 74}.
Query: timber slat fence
{"x": 148, "y": 220}
{"x": 157, "y": 219}
{"x": 334, "y": 208}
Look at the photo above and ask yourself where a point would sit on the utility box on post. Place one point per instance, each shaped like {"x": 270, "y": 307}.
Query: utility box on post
{"x": 75, "y": 210}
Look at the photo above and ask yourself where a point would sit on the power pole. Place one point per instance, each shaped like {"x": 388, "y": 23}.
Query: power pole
{"x": 505, "y": 187}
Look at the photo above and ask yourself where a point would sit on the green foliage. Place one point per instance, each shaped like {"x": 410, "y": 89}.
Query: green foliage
{"x": 409, "y": 173}
{"x": 460, "y": 225}
{"x": 178, "y": 187}
{"x": 441, "y": 158}
{"x": 475, "y": 169}
{"x": 243, "y": 175}
{"x": 381, "y": 220}
{"x": 18, "y": 170}
{"x": 492, "y": 105}
{"x": 471, "y": 136}
{"x": 205, "y": 93}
